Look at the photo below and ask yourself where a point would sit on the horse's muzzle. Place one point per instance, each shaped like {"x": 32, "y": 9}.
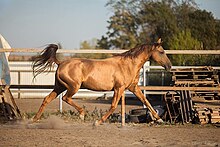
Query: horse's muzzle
{"x": 168, "y": 67}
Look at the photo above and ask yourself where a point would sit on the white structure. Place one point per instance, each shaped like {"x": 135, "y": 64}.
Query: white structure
{"x": 4, "y": 68}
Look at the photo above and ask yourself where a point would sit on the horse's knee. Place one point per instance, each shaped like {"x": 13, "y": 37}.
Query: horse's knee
{"x": 45, "y": 102}
{"x": 113, "y": 108}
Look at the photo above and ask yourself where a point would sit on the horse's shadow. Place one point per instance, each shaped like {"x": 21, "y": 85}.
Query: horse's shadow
{"x": 154, "y": 100}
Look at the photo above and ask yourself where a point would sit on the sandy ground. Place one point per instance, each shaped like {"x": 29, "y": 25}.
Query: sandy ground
{"x": 55, "y": 131}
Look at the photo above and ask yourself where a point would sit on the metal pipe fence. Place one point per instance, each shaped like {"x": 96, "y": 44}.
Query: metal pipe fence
{"x": 21, "y": 74}
{"x": 105, "y": 51}
{"x": 25, "y": 68}
{"x": 146, "y": 89}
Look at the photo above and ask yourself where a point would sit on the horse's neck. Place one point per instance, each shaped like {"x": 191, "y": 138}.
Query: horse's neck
{"x": 136, "y": 63}
{"x": 142, "y": 58}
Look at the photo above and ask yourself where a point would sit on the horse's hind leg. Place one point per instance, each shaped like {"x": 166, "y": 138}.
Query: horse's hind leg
{"x": 46, "y": 101}
{"x": 71, "y": 90}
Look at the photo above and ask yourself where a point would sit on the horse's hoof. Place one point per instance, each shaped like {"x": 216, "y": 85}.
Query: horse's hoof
{"x": 82, "y": 116}
{"x": 96, "y": 123}
{"x": 151, "y": 123}
{"x": 34, "y": 119}
{"x": 160, "y": 121}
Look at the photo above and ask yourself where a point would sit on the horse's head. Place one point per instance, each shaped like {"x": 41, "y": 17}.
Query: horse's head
{"x": 158, "y": 54}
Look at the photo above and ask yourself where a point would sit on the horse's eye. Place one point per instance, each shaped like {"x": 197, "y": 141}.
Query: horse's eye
{"x": 162, "y": 52}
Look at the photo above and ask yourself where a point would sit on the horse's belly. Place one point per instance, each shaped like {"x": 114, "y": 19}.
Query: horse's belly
{"x": 100, "y": 84}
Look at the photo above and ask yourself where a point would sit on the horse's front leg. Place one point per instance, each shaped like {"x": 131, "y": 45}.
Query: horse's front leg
{"x": 117, "y": 96}
{"x": 137, "y": 91}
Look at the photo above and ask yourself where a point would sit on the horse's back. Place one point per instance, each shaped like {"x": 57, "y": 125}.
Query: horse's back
{"x": 92, "y": 74}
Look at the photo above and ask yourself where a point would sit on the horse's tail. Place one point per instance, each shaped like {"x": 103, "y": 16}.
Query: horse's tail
{"x": 45, "y": 60}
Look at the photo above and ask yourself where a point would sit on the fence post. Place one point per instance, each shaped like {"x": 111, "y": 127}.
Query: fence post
{"x": 145, "y": 77}
{"x": 19, "y": 83}
{"x": 123, "y": 109}
{"x": 61, "y": 103}
{"x": 162, "y": 82}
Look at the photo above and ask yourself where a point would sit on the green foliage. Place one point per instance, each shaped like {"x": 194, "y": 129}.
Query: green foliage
{"x": 183, "y": 41}
{"x": 89, "y": 45}
{"x": 157, "y": 19}
{"x": 103, "y": 43}
{"x": 203, "y": 27}
{"x": 122, "y": 29}
{"x": 180, "y": 24}
{"x": 218, "y": 32}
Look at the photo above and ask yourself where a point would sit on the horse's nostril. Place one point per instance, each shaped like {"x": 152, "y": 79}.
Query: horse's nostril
{"x": 167, "y": 67}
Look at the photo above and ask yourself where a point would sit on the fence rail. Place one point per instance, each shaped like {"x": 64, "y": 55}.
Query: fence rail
{"x": 104, "y": 51}
{"x": 171, "y": 88}
{"x": 22, "y": 81}
{"x": 98, "y": 51}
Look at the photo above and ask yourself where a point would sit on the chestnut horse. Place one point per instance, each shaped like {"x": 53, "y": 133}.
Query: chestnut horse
{"x": 117, "y": 73}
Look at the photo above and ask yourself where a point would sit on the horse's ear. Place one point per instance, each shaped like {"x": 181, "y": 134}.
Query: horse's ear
{"x": 159, "y": 41}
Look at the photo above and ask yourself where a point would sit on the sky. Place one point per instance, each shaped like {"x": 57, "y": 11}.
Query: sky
{"x": 35, "y": 23}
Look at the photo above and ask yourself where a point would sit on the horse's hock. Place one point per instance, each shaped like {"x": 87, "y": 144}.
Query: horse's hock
{"x": 8, "y": 107}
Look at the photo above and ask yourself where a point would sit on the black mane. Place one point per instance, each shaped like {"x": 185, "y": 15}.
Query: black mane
{"x": 134, "y": 52}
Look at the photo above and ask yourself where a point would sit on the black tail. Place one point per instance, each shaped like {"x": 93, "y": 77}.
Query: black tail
{"x": 45, "y": 60}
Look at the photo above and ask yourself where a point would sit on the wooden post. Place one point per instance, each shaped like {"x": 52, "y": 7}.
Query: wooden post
{"x": 19, "y": 83}
{"x": 123, "y": 109}
{"x": 61, "y": 102}
{"x": 13, "y": 103}
{"x": 8, "y": 104}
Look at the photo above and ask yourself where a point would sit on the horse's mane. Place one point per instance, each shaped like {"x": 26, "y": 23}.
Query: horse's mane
{"x": 134, "y": 52}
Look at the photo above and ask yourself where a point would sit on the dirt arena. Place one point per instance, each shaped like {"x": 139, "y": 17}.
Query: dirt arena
{"x": 55, "y": 131}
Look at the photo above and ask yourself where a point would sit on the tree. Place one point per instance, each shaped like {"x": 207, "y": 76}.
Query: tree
{"x": 184, "y": 41}
{"x": 122, "y": 29}
{"x": 103, "y": 43}
{"x": 92, "y": 44}
{"x": 157, "y": 19}
{"x": 182, "y": 11}
{"x": 218, "y": 33}
{"x": 136, "y": 22}
{"x": 203, "y": 27}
